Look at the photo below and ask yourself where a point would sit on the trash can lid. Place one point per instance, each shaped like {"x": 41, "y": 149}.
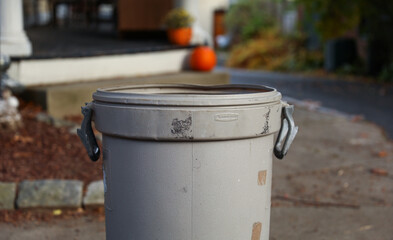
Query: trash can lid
{"x": 188, "y": 95}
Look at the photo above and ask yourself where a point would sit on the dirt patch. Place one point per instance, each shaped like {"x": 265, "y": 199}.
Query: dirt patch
{"x": 16, "y": 217}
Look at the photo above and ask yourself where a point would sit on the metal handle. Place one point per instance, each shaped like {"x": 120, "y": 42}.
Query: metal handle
{"x": 287, "y": 133}
{"x": 86, "y": 133}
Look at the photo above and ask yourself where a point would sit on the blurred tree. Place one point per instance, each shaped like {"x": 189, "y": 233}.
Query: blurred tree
{"x": 372, "y": 18}
{"x": 334, "y": 17}
{"x": 376, "y": 26}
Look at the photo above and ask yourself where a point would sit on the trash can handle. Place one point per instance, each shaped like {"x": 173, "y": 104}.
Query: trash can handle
{"x": 86, "y": 133}
{"x": 286, "y": 134}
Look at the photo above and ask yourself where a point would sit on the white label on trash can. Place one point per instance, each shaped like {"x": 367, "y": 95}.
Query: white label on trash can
{"x": 226, "y": 117}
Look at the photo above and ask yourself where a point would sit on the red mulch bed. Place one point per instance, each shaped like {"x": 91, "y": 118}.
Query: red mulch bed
{"x": 38, "y": 150}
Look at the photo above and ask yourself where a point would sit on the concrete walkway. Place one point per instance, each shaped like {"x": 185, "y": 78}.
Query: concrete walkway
{"x": 334, "y": 161}
{"x": 86, "y": 228}
{"x": 301, "y": 223}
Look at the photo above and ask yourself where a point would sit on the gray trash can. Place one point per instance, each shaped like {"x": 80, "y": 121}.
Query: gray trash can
{"x": 188, "y": 162}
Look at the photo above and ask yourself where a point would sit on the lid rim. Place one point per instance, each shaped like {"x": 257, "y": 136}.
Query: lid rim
{"x": 259, "y": 95}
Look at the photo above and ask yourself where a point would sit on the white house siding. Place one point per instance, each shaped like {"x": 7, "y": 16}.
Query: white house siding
{"x": 206, "y": 11}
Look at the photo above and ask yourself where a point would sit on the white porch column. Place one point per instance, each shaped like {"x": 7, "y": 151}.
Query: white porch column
{"x": 13, "y": 39}
{"x": 199, "y": 35}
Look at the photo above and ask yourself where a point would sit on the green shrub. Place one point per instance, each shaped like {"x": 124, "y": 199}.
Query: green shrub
{"x": 386, "y": 74}
{"x": 333, "y": 17}
{"x": 247, "y": 18}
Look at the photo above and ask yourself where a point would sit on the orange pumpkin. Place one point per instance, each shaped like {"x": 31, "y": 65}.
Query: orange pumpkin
{"x": 180, "y": 36}
{"x": 203, "y": 59}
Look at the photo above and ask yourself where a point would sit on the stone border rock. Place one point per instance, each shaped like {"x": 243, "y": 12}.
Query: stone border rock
{"x": 50, "y": 193}
{"x": 94, "y": 195}
{"x": 7, "y": 195}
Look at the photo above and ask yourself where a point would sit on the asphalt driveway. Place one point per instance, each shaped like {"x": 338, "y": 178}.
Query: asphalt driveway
{"x": 372, "y": 101}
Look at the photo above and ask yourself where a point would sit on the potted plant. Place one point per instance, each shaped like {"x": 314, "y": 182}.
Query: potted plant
{"x": 178, "y": 22}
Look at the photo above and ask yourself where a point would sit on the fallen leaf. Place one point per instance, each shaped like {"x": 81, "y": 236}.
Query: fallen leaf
{"x": 57, "y": 212}
{"x": 382, "y": 154}
{"x": 340, "y": 172}
{"x": 365, "y": 228}
{"x": 79, "y": 210}
{"x": 379, "y": 171}
{"x": 22, "y": 139}
{"x": 101, "y": 218}
{"x": 357, "y": 118}
{"x": 21, "y": 154}
{"x": 364, "y": 135}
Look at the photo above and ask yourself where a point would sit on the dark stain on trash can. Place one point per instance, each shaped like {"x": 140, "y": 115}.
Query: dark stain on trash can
{"x": 182, "y": 128}
{"x": 266, "y": 126}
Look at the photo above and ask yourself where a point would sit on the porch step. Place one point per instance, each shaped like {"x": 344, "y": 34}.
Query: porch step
{"x": 50, "y": 71}
{"x": 66, "y": 99}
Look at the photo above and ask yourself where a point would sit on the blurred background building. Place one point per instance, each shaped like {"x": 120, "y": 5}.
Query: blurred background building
{"x": 70, "y": 41}
{"x": 58, "y": 41}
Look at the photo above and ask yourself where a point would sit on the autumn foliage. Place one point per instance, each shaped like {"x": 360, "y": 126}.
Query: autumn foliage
{"x": 272, "y": 51}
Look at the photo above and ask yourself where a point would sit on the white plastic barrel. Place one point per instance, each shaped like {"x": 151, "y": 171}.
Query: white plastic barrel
{"x": 186, "y": 162}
